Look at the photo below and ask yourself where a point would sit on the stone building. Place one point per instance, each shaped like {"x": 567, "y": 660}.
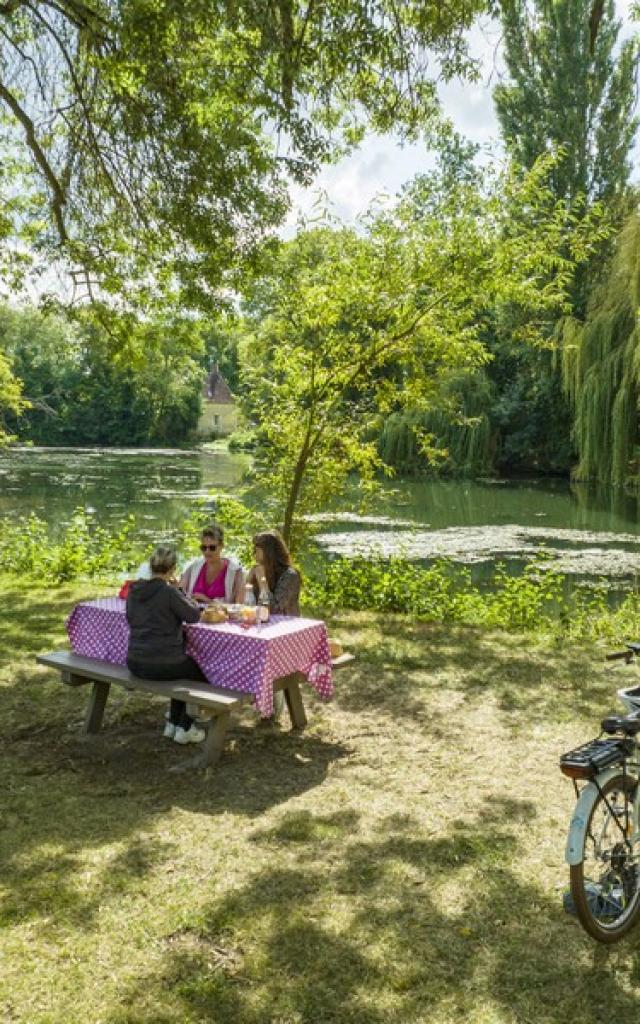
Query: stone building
{"x": 219, "y": 416}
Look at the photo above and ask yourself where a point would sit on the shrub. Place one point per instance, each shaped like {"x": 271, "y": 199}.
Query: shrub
{"x": 85, "y": 550}
{"x": 442, "y": 592}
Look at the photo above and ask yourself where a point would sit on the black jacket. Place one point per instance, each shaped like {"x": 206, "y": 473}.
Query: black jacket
{"x": 156, "y": 612}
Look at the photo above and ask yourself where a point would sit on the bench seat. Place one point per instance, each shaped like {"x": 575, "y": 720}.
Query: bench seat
{"x": 217, "y": 702}
{"x": 77, "y": 670}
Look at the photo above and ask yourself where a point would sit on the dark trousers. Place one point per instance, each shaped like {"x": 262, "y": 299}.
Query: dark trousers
{"x": 166, "y": 672}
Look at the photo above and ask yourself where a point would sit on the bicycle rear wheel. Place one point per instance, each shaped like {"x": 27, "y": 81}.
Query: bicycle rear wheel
{"x": 605, "y": 885}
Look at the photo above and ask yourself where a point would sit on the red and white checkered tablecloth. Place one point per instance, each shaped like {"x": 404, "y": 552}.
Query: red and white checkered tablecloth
{"x": 249, "y": 660}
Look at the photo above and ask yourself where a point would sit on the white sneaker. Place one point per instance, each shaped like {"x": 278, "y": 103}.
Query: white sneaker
{"x": 191, "y": 735}
{"x": 169, "y": 730}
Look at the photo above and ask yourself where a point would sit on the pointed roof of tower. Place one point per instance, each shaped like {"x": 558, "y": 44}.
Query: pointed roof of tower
{"x": 215, "y": 387}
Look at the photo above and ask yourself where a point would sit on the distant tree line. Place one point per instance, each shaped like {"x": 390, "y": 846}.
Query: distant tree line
{"x": 78, "y": 393}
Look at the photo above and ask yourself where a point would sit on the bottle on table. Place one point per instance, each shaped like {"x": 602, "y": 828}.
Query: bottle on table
{"x": 263, "y": 602}
{"x": 250, "y": 609}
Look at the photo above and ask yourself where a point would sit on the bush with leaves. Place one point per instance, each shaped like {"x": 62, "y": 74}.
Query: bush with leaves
{"x": 84, "y": 551}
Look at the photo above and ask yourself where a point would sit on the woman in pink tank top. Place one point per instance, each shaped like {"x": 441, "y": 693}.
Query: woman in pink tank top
{"x": 211, "y": 576}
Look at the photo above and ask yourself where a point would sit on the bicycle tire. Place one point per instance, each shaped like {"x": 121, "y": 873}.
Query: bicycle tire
{"x": 612, "y": 914}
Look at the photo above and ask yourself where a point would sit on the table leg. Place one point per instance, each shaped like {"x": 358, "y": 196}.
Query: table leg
{"x": 95, "y": 707}
{"x": 72, "y": 680}
{"x": 278, "y": 705}
{"x": 293, "y": 697}
{"x": 214, "y": 742}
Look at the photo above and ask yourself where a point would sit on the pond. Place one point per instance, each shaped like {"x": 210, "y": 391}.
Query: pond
{"x": 585, "y": 533}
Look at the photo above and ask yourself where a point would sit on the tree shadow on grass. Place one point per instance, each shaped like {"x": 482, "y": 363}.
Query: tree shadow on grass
{"x": 54, "y": 887}
{"x": 34, "y": 619}
{"x": 364, "y": 936}
{"x": 80, "y": 793}
{"x": 401, "y": 670}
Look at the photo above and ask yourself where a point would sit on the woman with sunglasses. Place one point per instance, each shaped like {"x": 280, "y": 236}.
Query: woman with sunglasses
{"x": 273, "y": 576}
{"x": 211, "y": 576}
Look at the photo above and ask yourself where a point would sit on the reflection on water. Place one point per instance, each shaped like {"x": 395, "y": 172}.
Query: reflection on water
{"x": 157, "y": 487}
{"x": 450, "y": 503}
{"x": 583, "y": 531}
{"x": 578, "y": 530}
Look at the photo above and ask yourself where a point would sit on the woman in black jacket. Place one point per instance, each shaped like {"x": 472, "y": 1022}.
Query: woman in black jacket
{"x": 156, "y": 613}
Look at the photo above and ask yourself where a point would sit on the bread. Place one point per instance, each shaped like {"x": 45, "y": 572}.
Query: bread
{"x": 213, "y": 614}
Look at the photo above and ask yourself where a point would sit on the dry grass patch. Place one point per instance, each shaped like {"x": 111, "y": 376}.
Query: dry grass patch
{"x": 400, "y": 861}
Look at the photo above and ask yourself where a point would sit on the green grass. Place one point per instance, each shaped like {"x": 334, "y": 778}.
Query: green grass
{"x": 400, "y": 861}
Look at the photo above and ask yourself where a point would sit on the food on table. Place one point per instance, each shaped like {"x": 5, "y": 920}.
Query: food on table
{"x": 214, "y": 613}
{"x": 248, "y": 614}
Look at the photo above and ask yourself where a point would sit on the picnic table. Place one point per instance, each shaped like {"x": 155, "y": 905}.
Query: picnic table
{"x": 231, "y": 656}
{"x": 240, "y": 665}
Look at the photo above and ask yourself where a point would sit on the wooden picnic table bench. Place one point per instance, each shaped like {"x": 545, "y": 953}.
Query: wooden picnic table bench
{"x": 217, "y": 702}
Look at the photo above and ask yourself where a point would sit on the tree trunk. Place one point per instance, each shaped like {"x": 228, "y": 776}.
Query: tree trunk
{"x": 294, "y": 492}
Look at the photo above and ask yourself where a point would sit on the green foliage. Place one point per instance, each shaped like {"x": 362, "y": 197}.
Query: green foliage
{"x": 530, "y": 414}
{"x": 572, "y": 90}
{"x": 536, "y": 601}
{"x": 83, "y": 390}
{"x": 532, "y": 601}
{"x": 601, "y": 368}
{"x": 11, "y": 399}
{"x": 143, "y": 138}
{"x": 242, "y": 441}
{"x": 346, "y": 328}
{"x": 458, "y": 431}
{"x": 442, "y": 592}
{"x": 84, "y": 551}
{"x": 568, "y": 91}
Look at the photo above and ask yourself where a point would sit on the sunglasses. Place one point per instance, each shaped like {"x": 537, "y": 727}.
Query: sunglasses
{"x": 208, "y": 547}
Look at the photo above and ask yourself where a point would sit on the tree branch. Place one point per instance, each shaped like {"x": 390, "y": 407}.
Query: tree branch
{"x": 58, "y": 198}
{"x": 80, "y": 15}
{"x": 27, "y": 59}
{"x": 95, "y": 145}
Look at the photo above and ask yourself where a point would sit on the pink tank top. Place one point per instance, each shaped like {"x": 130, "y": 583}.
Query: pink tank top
{"x": 216, "y": 587}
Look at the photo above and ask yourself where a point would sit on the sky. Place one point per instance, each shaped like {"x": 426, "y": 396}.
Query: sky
{"x": 381, "y": 166}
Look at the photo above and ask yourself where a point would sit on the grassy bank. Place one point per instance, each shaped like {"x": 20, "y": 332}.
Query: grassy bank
{"x": 400, "y": 861}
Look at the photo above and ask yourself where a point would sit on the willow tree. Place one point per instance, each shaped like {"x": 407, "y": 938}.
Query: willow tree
{"x": 457, "y": 426}
{"x": 601, "y": 365}
{"x": 570, "y": 87}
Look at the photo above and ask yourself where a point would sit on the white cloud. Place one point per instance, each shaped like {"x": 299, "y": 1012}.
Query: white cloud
{"x": 381, "y": 165}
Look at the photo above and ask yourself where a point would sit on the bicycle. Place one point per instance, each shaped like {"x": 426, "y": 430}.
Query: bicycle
{"x": 603, "y": 844}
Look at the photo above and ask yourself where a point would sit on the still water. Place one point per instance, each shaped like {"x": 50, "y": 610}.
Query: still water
{"x": 584, "y": 533}
{"x": 159, "y": 487}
